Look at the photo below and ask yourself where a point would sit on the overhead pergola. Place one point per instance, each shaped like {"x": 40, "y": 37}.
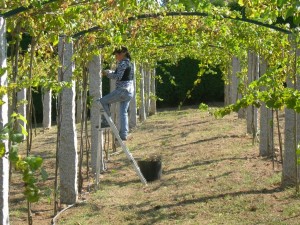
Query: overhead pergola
{"x": 196, "y": 15}
{"x": 157, "y": 15}
{"x": 21, "y": 9}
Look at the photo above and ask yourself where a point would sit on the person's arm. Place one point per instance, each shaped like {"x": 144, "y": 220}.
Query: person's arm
{"x": 118, "y": 74}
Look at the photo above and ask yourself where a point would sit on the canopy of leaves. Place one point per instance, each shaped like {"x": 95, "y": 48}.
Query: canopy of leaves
{"x": 210, "y": 31}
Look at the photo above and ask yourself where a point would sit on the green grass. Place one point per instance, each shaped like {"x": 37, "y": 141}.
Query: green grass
{"x": 212, "y": 174}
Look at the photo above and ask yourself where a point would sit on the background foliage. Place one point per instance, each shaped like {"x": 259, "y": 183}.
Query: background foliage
{"x": 176, "y": 83}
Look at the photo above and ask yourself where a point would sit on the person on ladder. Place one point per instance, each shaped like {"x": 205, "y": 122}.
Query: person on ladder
{"x": 124, "y": 91}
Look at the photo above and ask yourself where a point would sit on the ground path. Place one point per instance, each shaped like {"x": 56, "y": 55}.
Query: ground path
{"x": 212, "y": 174}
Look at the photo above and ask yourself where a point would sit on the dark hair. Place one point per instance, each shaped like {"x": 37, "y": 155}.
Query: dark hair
{"x": 122, "y": 49}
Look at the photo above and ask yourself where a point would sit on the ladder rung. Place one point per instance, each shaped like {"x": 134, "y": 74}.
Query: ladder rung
{"x": 102, "y": 128}
{"x": 125, "y": 149}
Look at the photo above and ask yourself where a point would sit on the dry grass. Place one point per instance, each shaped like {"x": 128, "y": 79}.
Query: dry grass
{"x": 212, "y": 174}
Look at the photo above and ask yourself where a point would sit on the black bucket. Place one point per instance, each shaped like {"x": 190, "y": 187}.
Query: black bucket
{"x": 151, "y": 170}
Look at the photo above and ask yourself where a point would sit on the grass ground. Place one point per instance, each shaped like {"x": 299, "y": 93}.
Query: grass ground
{"x": 212, "y": 174}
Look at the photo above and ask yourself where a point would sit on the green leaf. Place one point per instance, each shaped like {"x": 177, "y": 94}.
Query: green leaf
{"x": 17, "y": 138}
{"x": 2, "y": 150}
{"x": 296, "y": 20}
{"x": 21, "y": 165}
{"x": 28, "y": 177}
{"x": 290, "y": 103}
{"x": 13, "y": 154}
{"x": 13, "y": 115}
{"x": 32, "y": 194}
{"x": 280, "y": 3}
{"x": 55, "y": 42}
{"x": 289, "y": 13}
{"x": 23, "y": 130}
{"x": 2, "y": 71}
{"x": 241, "y": 2}
{"x": 44, "y": 174}
{"x": 203, "y": 107}
{"x": 34, "y": 162}
{"x": 21, "y": 117}
{"x": 6, "y": 128}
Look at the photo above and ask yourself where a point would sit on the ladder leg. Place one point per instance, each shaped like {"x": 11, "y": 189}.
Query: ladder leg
{"x": 100, "y": 163}
{"x": 125, "y": 149}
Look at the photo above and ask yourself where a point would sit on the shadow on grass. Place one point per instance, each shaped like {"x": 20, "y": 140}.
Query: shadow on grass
{"x": 155, "y": 210}
{"x": 148, "y": 142}
{"x": 158, "y": 126}
{"x": 120, "y": 183}
{"x": 121, "y": 165}
{"x": 221, "y": 175}
{"x": 193, "y": 124}
{"x": 47, "y": 156}
{"x": 15, "y": 200}
{"x": 201, "y": 163}
{"x": 209, "y": 139}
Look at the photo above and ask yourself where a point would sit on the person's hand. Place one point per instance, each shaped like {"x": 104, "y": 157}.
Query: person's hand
{"x": 105, "y": 72}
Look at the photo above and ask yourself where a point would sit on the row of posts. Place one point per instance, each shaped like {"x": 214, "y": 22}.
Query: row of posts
{"x": 68, "y": 138}
{"x": 67, "y": 144}
{"x": 68, "y": 155}
{"x": 68, "y": 152}
{"x": 260, "y": 122}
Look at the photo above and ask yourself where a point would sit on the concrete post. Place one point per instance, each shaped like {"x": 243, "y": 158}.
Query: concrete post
{"x": 227, "y": 94}
{"x": 266, "y": 122}
{"x": 153, "y": 93}
{"x": 142, "y": 95}
{"x": 4, "y": 163}
{"x": 235, "y": 63}
{"x": 291, "y": 137}
{"x": 78, "y": 106}
{"x": 47, "y": 108}
{"x": 68, "y": 158}
{"x": 132, "y": 106}
{"x": 147, "y": 83}
{"x": 253, "y": 71}
{"x": 234, "y": 92}
{"x": 95, "y": 68}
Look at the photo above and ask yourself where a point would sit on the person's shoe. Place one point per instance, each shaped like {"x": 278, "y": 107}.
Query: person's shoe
{"x": 104, "y": 123}
{"x": 124, "y": 138}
